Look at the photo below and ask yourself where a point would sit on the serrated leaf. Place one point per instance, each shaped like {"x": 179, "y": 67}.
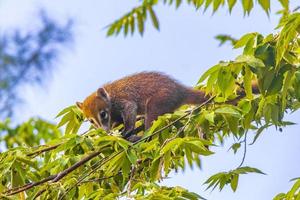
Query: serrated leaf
{"x": 250, "y": 60}
{"x": 210, "y": 116}
{"x": 265, "y": 4}
{"x": 234, "y": 182}
{"x": 258, "y": 133}
{"x": 140, "y": 23}
{"x": 247, "y": 6}
{"x": 228, "y": 110}
{"x": 284, "y": 3}
{"x": 231, "y": 4}
{"x": 248, "y": 82}
{"x": 131, "y": 155}
{"x": 209, "y": 72}
{"x": 174, "y": 144}
{"x": 155, "y": 169}
{"x": 246, "y": 169}
{"x": 235, "y": 147}
{"x": 153, "y": 17}
{"x": 65, "y": 110}
{"x": 244, "y": 40}
{"x": 66, "y": 118}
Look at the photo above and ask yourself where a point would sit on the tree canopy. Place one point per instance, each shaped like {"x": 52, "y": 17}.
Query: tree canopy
{"x": 44, "y": 162}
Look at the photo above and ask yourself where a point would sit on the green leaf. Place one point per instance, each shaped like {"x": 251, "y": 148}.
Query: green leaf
{"x": 140, "y": 22}
{"x": 132, "y": 157}
{"x": 126, "y": 25}
{"x": 246, "y": 169}
{"x": 258, "y": 133}
{"x": 209, "y": 72}
{"x": 248, "y": 82}
{"x": 178, "y": 3}
{"x": 284, "y": 3}
{"x": 292, "y": 192}
{"x": 231, "y": 4}
{"x": 216, "y": 4}
{"x": 232, "y": 123}
{"x": 235, "y": 147}
{"x": 132, "y": 24}
{"x": 245, "y": 106}
{"x": 250, "y": 60}
{"x": 65, "y": 110}
{"x": 265, "y": 4}
{"x": 276, "y": 84}
{"x": 155, "y": 169}
{"x": 247, "y": 6}
{"x": 210, "y": 116}
{"x": 66, "y": 118}
{"x": 234, "y": 182}
{"x": 153, "y": 17}
{"x": 172, "y": 145}
{"x": 226, "y": 82}
{"x": 228, "y": 110}
{"x": 244, "y": 40}
{"x": 207, "y": 4}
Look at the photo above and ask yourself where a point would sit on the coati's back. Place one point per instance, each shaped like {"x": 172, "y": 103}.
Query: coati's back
{"x": 148, "y": 93}
{"x": 144, "y": 86}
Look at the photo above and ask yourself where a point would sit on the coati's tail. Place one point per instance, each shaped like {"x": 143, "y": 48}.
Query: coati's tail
{"x": 195, "y": 97}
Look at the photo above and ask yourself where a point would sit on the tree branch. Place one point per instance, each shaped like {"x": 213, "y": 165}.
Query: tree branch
{"x": 55, "y": 177}
{"x": 38, "y": 152}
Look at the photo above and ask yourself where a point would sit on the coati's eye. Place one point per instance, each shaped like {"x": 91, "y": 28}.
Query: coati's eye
{"x": 103, "y": 114}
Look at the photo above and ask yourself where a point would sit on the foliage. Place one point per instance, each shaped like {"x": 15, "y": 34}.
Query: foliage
{"x": 137, "y": 16}
{"x": 100, "y": 165}
{"x": 231, "y": 177}
{"x": 26, "y": 58}
{"x": 293, "y": 194}
{"x": 31, "y": 133}
{"x": 43, "y": 163}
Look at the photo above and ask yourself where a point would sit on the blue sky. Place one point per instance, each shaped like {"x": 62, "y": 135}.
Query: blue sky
{"x": 184, "y": 48}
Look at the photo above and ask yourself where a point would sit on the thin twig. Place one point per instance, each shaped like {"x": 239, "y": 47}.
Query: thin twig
{"x": 28, "y": 186}
{"x": 38, "y": 152}
{"x": 180, "y": 130}
{"x": 130, "y": 180}
{"x": 55, "y": 177}
{"x": 245, "y": 150}
{"x": 39, "y": 194}
{"x": 75, "y": 166}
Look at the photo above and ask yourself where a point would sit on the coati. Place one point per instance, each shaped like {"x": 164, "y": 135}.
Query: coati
{"x": 147, "y": 93}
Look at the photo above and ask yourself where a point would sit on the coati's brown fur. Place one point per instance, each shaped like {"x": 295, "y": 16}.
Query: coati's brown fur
{"x": 148, "y": 93}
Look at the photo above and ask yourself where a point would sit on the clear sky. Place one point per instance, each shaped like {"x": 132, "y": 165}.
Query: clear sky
{"x": 184, "y": 48}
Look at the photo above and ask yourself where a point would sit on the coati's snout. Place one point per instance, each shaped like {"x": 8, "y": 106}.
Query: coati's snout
{"x": 96, "y": 109}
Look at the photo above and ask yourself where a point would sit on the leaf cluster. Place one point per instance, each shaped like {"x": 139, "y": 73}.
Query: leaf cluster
{"x": 137, "y": 17}
{"x": 100, "y": 165}
{"x": 293, "y": 194}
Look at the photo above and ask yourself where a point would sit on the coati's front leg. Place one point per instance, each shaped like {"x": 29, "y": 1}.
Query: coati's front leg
{"x": 129, "y": 113}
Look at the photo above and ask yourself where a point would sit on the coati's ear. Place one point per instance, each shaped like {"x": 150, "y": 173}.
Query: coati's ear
{"x": 79, "y": 105}
{"x": 101, "y": 92}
